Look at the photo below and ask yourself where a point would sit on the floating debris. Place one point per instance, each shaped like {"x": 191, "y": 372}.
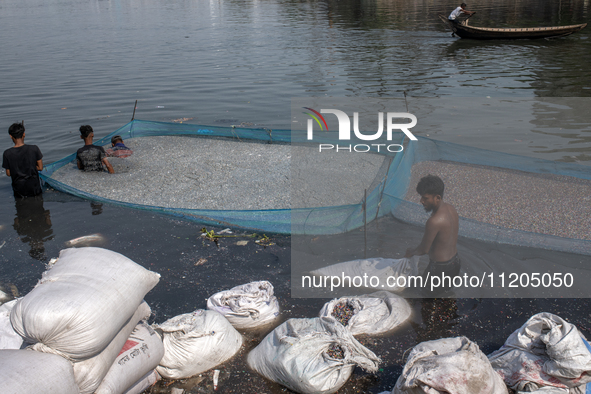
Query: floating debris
{"x": 85, "y": 240}
{"x": 242, "y": 243}
{"x": 343, "y": 312}
{"x": 216, "y": 376}
{"x": 200, "y": 262}
{"x": 13, "y": 290}
{"x": 3, "y": 243}
{"x": 181, "y": 120}
{"x": 336, "y": 351}
{"x": 225, "y": 231}
{"x": 264, "y": 240}
{"x": 4, "y": 297}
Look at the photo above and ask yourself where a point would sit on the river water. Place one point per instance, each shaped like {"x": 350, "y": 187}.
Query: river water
{"x": 223, "y": 62}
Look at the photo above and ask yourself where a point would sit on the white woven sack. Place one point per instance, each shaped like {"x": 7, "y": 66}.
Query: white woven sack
{"x": 145, "y": 382}
{"x": 296, "y": 355}
{"x": 379, "y": 267}
{"x": 375, "y": 313}
{"x": 448, "y": 365}
{"x": 9, "y": 339}
{"x": 195, "y": 342}
{"x": 246, "y": 306}
{"x": 90, "y": 373}
{"x": 545, "y": 351}
{"x": 139, "y": 356}
{"x": 82, "y": 302}
{"x": 29, "y": 372}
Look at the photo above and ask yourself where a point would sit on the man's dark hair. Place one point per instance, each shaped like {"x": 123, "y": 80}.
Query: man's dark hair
{"x": 116, "y": 138}
{"x": 16, "y": 130}
{"x": 463, "y": 5}
{"x": 430, "y": 184}
{"x": 85, "y": 131}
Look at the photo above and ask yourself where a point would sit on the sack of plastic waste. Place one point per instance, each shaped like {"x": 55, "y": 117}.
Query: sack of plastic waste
{"x": 9, "y": 339}
{"x": 311, "y": 355}
{"x": 384, "y": 269}
{"x": 545, "y": 351}
{"x": 147, "y": 381}
{"x": 246, "y": 306}
{"x": 81, "y": 302}
{"x": 90, "y": 372}
{"x": 196, "y": 342}
{"x": 139, "y": 356}
{"x": 30, "y": 372}
{"x": 448, "y": 365}
{"x": 375, "y": 313}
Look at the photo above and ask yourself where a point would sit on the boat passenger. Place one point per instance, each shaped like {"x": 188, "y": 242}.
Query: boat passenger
{"x": 459, "y": 11}
{"x": 91, "y": 157}
{"x": 118, "y": 149}
{"x": 441, "y": 230}
{"x": 22, "y": 163}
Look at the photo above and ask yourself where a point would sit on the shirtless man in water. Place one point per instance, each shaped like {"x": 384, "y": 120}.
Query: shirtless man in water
{"x": 441, "y": 230}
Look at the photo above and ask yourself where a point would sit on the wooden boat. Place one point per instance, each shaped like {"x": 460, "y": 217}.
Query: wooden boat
{"x": 492, "y": 33}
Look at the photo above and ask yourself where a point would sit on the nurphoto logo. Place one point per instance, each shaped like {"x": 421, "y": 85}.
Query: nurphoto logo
{"x": 345, "y": 130}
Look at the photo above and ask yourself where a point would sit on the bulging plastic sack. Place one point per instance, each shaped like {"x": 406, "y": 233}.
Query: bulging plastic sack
{"x": 246, "y": 306}
{"x": 375, "y": 313}
{"x": 144, "y": 383}
{"x": 137, "y": 359}
{"x": 31, "y": 372}
{"x": 9, "y": 339}
{"x": 448, "y": 365}
{"x": 90, "y": 372}
{"x": 196, "y": 342}
{"x": 311, "y": 356}
{"x": 547, "y": 353}
{"x": 384, "y": 269}
{"x": 81, "y": 302}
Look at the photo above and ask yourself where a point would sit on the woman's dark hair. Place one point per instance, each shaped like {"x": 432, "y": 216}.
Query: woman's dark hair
{"x": 16, "y": 130}
{"x": 85, "y": 131}
{"x": 430, "y": 184}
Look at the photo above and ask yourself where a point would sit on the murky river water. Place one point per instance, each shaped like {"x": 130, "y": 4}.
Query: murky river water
{"x": 70, "y": 62}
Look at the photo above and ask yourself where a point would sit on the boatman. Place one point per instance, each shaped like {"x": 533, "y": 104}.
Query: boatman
{"x": 91, "y": 157}
{"x": 459, "y": 11}
{"x": 22, "y": 163}
{"x": 441, "y": 231}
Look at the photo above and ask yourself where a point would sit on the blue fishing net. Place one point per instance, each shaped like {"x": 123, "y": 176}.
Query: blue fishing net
{"x": 385, "y": 197}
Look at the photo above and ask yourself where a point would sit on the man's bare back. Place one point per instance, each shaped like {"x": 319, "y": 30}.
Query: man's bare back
{"x": 441, "y": 230}
{"x": 445, "y": 222}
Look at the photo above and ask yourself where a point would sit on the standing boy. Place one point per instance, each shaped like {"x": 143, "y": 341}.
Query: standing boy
{"x": 22, "y": 163}
{"x": 441, "y": 231}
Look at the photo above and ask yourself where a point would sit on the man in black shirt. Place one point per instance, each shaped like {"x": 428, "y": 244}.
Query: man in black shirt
{"x": 91, "y": 157}
{"x": 22, "y": 163}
